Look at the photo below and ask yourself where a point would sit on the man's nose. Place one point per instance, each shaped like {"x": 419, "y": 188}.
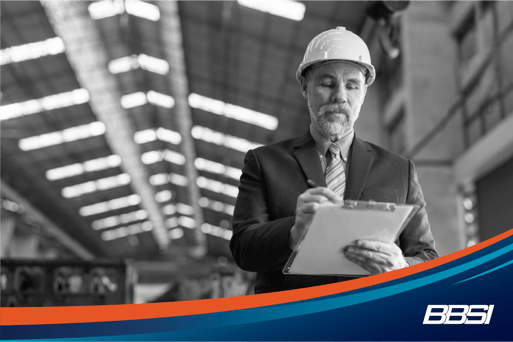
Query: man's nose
{"x": 339, "y": 95}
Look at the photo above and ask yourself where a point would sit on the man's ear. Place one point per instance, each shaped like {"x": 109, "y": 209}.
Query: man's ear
{"x": 304, "y": 84}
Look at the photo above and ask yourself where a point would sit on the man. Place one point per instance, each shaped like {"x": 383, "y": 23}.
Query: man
{"x": 276, "y": 204}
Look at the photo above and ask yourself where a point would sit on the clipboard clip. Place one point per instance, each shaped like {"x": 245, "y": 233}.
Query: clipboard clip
{"x": 351, "y": 204}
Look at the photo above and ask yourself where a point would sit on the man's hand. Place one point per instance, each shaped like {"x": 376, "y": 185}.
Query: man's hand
{"x": 307, "y": 204}
{"x": 376, "y": 257}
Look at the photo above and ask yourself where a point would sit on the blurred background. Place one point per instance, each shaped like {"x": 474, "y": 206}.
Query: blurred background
{"x": 124, "y": 125}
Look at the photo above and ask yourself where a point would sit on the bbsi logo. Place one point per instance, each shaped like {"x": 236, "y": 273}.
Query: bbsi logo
{"x": 458, "y": 314}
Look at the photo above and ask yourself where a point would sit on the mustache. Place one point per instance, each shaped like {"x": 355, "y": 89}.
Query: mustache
{"x": 333, "y": 108}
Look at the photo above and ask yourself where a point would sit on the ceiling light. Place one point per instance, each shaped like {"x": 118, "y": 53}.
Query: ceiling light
{"x": 67, "y": 99}
{"x": 157, "y": 156}
{"x": 187, "y": 222}
{"x": 20, "y": 53}
{"x": 171, "y": 222}
{"x": 163, "y": 196}
{"x": 123, "y": 64}
{"x": 65, "y": 172}
{"x": 159, "y": 179}
{"x": 176, "y": 233}
{"x": 143, "y": 10}
{"x": 125, "y": 231}
{"x": 133, "y": 100}
{"x": 221, "y": 139}
{"x": 177, "y": 179}
{"x": 149, "y": 63}
{"x": 216, "y": 231}
{"x": 169, "y": 136}
{"x": 169, "y": 209}
{"x": 105, "y": 9}
{"x": 117, "y": 203}
{"x": 184, "y": 209}
{"x": 93, "y": 186}
{"x": 288, "y": 9}
{"x": 145, "y": 136}
{"x": 160, "y": 133}
{"x": 88, "y": 166}
{"x": 232, "y": 111}
{"x": 156, "y": 65}
{"x": 161, "y": 100}
{"x": 218, "y": 187}
{"x": 216, "y": 205}
{"x": 210, "y": 166}
{"x": 69, "y": 134}
{"x": 119, "y": 219}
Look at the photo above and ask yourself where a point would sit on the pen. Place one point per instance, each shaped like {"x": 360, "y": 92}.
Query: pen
{"x": 312, "y": 184}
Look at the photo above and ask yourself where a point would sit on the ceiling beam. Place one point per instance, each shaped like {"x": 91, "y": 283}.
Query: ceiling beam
{"x": 86, "y": 53}
{"x": 171, "y": 37}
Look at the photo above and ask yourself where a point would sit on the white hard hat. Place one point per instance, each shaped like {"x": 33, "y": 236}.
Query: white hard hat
{"x": 338, "y": 44}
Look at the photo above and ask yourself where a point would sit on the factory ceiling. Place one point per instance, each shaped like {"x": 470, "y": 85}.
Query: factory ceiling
{"x": 124, "y": 125}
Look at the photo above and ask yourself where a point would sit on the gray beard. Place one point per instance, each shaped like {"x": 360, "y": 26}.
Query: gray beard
{"x": 330, "y": 125}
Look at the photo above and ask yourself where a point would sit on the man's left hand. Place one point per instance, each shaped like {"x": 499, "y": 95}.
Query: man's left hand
{"x": 375, "y": 256}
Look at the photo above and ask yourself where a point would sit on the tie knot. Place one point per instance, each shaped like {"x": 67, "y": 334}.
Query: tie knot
{"x": 335, "y": 150}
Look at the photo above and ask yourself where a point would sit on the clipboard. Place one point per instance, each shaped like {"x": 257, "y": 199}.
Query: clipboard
{"x": 334, "y": 226}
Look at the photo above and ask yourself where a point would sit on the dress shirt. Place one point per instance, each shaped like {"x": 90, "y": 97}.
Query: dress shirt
{"x": 322, "y": 143}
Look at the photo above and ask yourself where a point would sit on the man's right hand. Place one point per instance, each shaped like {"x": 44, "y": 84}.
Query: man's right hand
{"x": 307, "y": 204}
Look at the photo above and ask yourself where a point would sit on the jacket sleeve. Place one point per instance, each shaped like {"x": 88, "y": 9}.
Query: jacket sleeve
{"x": 416, "y": 240}
{"x": 258, "y": 244}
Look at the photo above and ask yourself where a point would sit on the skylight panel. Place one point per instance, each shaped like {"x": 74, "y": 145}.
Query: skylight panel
{"x": 169, "y": 209}
{"x": 156, "y": 65}
{"x": 187, "y": 222}
{"x": 119, "y": 219}
{"x": 216, "y": 231}
{"x": 167, "y": 155}
{"x": 163, "y": 196}
{"x": 149, "y": 63}
{"x": 171, "y": 222}
{"x": 143, "y": 10}
{"x": 173, "y": 178}
{"x": 20, "y": 53}
{"x": 185, "y": 209}
{"x": 93, "y": 186}
{"x": 283, "y": 8}
{"x": 218, "y": 206}
{"x": 67, "y": 135}
{"x": 121, "y": 232}
{"x": 160, "y": 133}
{"x": 105, "y": 9}
{"x": 88, "y": 166}
{"x": 113, "y": 204}
{"x": 123, "y": 64}
{"x": 210, "y": 166}
{"x": 232, "y": 111}
{"x": 175, "y": 234}
{"x": 221, "y": 139}
{"x": 218, "y": 187}
{"x": 139, "y": 98}
{"x": 62, "y": 100}
{"x": 133, "y": 100}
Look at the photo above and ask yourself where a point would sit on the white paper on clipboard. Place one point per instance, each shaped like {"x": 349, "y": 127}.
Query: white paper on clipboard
{"x": 335, "y": 226}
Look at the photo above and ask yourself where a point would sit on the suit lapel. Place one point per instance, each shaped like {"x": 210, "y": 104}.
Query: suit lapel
{"x": 308, "y": 157}
{"x": 359, "y": 167}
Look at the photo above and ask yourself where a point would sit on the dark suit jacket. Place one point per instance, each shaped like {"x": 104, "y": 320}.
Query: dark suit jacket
{"x": 275, "y": 175}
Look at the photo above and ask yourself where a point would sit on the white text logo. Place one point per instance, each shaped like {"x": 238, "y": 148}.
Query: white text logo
{"x": 458, "y": 314}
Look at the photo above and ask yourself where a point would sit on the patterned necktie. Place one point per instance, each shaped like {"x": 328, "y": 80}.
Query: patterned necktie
{"x": 335, "y": 175}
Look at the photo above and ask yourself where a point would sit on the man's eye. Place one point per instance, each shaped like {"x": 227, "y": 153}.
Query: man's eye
{"x": 326, "y": 84}
{"x": 352, "y": 86}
